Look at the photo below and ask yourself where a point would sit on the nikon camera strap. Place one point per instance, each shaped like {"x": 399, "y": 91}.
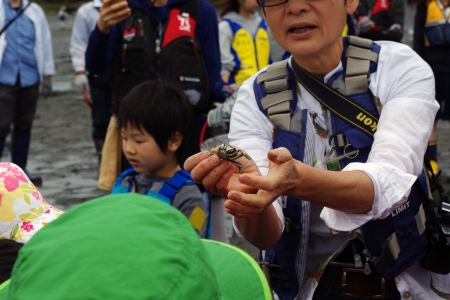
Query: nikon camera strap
{"x": 358, "y": 59}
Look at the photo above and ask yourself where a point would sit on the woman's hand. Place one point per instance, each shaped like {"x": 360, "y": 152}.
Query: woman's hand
{"x": 277, "y": 182}
{"x": 111, "y": 13}
{"x": 219, "y": 176}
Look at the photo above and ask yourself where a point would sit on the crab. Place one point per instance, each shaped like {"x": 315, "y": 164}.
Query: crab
{"x": 230, "y": 153}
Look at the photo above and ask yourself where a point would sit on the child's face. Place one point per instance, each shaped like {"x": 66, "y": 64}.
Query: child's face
{"x": 143, "y": 152}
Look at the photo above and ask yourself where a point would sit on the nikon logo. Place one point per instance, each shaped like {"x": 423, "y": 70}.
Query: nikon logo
{"x": 367, "y": 121}
{"x": 400, "y": 209}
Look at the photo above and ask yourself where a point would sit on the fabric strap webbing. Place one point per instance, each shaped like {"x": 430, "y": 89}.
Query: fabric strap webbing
{"x": 171, "y": 186}
{"x": 336, "y": 102}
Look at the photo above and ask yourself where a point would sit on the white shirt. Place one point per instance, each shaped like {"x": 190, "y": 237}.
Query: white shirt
{"x": 85, "y": 20}
{"x": 404, "y": 84}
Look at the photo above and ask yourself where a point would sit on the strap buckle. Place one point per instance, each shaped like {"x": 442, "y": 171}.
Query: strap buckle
{"x": 345, "y": 271}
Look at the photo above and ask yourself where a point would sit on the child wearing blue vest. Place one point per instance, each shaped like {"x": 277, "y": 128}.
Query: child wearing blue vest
{"x": 156, "y": 118}
{"x": 244, "y": 40}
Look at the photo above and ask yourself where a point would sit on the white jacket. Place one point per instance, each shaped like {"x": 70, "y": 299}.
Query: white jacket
{"x": 83, "y": 25}
{"x": 43, "y": 44}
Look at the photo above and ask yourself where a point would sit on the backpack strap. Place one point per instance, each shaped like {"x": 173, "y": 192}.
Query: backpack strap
{"x": 120, "y": 188}
{"x": 359, "y": 55}
{"x": 278, "y": 97}
{"x": 171, "y": 186}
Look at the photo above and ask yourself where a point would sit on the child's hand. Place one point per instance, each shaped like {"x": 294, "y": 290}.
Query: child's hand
{"x": 219, "y": 176}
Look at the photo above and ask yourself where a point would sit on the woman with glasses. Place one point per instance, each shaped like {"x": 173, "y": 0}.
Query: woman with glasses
{"x": 309, "y": 209}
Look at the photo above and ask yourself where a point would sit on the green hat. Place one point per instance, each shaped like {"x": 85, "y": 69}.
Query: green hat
{"x": 129, "y": 246}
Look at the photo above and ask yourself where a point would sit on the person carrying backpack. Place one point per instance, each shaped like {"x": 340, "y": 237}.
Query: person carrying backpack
{"x": 156, "y": 119}
{"x": 381, "y": 19}
{"x": 335, "y": 191}
{"x": 176, "y": 40}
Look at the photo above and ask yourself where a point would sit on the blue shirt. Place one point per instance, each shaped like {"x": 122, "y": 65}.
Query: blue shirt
{"x": 19, "y": 56}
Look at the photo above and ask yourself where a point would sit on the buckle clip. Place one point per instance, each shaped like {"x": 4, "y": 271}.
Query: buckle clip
{"x": 382, "y": 295}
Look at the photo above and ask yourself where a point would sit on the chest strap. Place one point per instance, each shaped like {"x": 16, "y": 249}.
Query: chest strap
{"x": 278, "y": 94}
{"x": 276, "y": 80}
{"x": 359, "y": 54}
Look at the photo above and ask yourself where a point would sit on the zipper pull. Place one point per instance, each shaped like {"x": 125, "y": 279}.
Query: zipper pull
{"x": 196, "y": 50}
{"x": 158, "y": 46}
{"x": 141, "y": 28}
{"x": 367, "y": 269}
{"x": 124, "y": 56}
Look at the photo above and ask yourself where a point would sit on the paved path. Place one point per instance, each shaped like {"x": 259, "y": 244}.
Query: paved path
{"x": 62, "y": 151}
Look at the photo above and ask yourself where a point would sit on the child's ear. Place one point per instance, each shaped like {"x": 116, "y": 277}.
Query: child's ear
{"x": 174, "y": 142}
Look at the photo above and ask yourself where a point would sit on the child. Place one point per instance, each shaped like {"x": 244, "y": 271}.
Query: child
{"x": 244, "y": 40}
{"x": 62, "y": 16}
{"x": 151, "y": 253}
{"x": 156, "y": 118}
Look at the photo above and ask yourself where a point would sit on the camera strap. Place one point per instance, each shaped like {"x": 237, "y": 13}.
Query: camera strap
{"x": 335, "y": 101}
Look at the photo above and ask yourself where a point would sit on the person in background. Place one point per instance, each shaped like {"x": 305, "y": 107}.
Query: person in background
{"x": 62, "y": 17}
{"x": 156, "y": 119}
{"x": 302, "y": 198}
{"x": 138, "y": 40}
{"x": 126, "y": 247}
{"x": 432, "y": 43}
{"x": 381, "y": 19}
{"x": 97, "y": 86}
{"x": 244, "y": 40}
{"x": 26, "y": 61}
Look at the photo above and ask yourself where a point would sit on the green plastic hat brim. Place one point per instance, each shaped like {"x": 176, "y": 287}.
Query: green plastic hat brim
{"x": 238, "y": 274}
{"x": 4, "y": 288}
{"x": 131, "y": 246}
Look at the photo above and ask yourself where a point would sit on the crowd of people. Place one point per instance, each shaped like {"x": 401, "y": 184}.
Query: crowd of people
{"x": 313, "y": 177}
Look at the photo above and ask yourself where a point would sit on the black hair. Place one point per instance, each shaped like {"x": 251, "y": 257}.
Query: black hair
{"x": 159, "y": 108}
{"x": 225, "y": 6}
{"x": 9, "y": 250}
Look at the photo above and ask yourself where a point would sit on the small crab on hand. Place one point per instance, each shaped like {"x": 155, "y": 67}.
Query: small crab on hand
{"x": 230, "y": 153}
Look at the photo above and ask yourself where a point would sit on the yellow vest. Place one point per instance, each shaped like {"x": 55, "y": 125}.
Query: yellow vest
{"x": 251, "y": 55}
{"x": 435, "y": 26}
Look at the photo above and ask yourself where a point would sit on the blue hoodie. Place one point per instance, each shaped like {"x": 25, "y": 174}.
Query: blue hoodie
{"x": 102, "y": 47}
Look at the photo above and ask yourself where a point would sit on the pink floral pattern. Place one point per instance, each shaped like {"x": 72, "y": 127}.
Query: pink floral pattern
{"x": 23, "y": 210}
{"x": 12, "y": 177}
{"x": 27, "y": 226}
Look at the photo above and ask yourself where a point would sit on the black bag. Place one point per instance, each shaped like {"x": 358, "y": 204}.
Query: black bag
{"x": 437, "y": 259}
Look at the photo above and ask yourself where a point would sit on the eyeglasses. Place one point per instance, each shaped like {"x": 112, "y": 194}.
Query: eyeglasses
{"x": 269, "y": 3}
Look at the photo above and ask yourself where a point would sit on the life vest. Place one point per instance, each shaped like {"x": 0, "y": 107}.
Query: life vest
{"x": 437, "y": 27}
{"x": 393, "y": 243}
{"x": 174, "y": 55}
{"x": 125, "y": 184}
{"x": 251, "y": 54}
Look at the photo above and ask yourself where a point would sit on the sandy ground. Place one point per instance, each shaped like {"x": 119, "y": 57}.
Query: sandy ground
{"x": 62, "y": 150}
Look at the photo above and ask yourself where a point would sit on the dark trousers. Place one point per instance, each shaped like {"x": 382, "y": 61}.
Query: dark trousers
{"x": 17, "y": 107}
{"x": 101, "y": 109}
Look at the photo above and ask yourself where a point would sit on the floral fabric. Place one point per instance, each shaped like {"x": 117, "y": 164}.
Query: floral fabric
{"x": 23, "y": 211}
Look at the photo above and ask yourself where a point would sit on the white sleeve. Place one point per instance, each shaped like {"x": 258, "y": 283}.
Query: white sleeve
{"x": 404, "y": 83}
{"x": 225, "y": 40}
{"x": 251, "y": 131}
{"x": 79, "y": 39}
{"x": 48, "y": 67}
